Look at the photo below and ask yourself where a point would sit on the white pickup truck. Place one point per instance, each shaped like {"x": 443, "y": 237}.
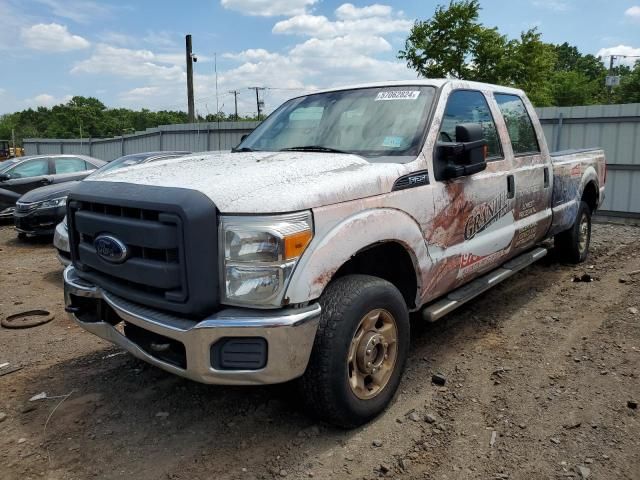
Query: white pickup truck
{"x": 301, "y": 254}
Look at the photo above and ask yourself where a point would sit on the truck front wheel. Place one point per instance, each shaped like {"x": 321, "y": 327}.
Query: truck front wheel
{"x": 359, "y": 352}
{"x": 573, "y": 244}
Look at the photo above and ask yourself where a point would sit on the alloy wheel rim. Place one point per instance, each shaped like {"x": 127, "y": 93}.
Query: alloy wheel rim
{"x": 372, "y": 354}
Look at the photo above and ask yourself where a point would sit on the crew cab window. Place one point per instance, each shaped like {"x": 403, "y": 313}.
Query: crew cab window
{"x": 470, "y": 106}
{"x": 519, "y": 125}
{"x": 71, "y": 165}
{"x": 31, "y": 168}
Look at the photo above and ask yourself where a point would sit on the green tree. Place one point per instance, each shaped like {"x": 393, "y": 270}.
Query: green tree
{"x": 629, "y": 89}
{"x": 453, "y": 43}
{"x": 441, "y": 46}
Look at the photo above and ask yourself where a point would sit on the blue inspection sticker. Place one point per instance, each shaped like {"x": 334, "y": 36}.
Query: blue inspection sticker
{"x": 392, "y": 142}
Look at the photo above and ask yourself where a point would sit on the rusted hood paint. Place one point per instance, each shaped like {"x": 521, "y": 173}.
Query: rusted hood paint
{"x": 267, "y": 182}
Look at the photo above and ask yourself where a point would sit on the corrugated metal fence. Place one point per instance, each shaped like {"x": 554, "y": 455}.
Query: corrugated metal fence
{"x": 194, "y": 137}
{"x": 616, "y": 128}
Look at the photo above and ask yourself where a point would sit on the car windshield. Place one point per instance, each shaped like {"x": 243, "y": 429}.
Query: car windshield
{"x": 126, "y": 161}
{"x": 7, "y": 164}
{"x": 371, "y": 122}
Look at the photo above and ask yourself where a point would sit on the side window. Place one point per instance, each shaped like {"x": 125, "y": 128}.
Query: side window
{"x": 31, "y": 168}
{"x": 521, "y": 131}
{"x": 70, "y": 165}
{"x": 470, "y": 106}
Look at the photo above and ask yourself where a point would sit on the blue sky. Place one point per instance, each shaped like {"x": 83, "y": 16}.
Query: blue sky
{"x": 131, "y": 52}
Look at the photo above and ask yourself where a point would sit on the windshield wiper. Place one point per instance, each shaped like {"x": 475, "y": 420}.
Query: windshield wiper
{"x": 244, "y": 149}
{"x": 312, "y": 148}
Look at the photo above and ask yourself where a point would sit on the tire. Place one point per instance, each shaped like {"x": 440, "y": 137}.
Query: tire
{"x": 22, "y": 236}
{"x": 357, "y": 314}
{"x": 573, "y": 245}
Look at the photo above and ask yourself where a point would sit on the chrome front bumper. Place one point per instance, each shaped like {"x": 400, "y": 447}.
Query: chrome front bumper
{"x": 289, "y": 334}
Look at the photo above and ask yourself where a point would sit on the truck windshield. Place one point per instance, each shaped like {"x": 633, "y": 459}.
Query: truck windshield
{"x": 371, "y": 122}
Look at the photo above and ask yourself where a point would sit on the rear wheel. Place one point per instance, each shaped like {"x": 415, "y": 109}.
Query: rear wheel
{"x": 359, "y": 352}
{"x": 573, "y": 244}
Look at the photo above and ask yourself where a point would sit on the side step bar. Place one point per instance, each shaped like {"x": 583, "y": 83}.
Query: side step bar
{"x": 471, "y": 290}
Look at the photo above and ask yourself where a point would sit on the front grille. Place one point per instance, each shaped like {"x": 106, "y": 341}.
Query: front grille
{"x": 153, "y": 239}
{"x": 171, "y": 261}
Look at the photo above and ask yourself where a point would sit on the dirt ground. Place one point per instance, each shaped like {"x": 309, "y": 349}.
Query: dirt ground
{"x": 539, "y": 373}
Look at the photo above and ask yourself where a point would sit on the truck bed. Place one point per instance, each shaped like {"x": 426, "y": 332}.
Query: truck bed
{"x": 575, "y": 173}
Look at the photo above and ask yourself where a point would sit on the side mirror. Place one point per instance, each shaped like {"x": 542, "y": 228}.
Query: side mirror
{"x": 4, "y": 177}
{"x": 243, "y": 137}
{"x": 464, "y": 157}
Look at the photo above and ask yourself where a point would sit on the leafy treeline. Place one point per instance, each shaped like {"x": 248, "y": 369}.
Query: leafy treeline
{"x": 91, "y": 118}
{"x": 453, "y": 43}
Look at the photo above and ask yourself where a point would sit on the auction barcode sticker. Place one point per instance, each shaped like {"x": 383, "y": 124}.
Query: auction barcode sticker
{"x": 398, "y": 95}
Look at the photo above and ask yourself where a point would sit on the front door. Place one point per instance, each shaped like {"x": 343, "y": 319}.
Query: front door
{"x": 28, "y": 175}
{"x": 474, "y": 225}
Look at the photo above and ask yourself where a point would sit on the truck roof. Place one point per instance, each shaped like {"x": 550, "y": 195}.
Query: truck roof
{"x": 431, "y": 82}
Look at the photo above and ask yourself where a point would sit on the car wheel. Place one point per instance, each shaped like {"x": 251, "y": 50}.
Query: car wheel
{"x": 359, "y": 352}
{"x": 573, "y": 244}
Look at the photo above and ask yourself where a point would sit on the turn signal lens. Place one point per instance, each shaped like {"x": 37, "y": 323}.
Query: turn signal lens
{"x": 295, "y": 245}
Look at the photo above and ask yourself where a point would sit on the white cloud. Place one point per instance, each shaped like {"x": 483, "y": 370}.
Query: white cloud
{"x": 348, "y": 11}
{"x": 46, "y": 100}
{"x": 339, "y": 47}
{"x": 268, "y": 8}
{"x": 555, "y": 5}
{"x": 321, "y": 26}
{"x": 52, "y": 37}
{"x": 353, "y": 47}
{"x": 128, "y": 63}
{"x": 632, "y": 54}
{"x": 81, "y": 11}
{"x": 633, "y": 13}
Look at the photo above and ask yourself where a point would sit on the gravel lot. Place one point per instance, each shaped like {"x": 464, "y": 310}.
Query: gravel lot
{"x": 541, "y": 373}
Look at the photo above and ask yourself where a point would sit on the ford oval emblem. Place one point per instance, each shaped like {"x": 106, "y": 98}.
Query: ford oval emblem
{"x": 110, "y": 249}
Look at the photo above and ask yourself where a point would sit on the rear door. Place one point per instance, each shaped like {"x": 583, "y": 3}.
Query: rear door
{"x": 71, "y": 168}
{"x": 27, "y": 175}
{"x": 532, "y": 175}
{"x": 473, "y": 223}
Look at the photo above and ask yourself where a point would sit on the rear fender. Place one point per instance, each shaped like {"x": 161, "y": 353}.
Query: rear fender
{"x": 567, "y": 193}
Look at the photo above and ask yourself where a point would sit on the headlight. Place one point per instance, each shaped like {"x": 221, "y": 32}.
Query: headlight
{"x": 260, "y": 254}
{"x": 54, "y": 202}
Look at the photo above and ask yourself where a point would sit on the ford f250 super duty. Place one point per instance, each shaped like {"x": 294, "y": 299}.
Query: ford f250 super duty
{"x": 301, "y": 253}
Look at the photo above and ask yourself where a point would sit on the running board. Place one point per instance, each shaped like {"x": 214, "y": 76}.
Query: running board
{"x": 472, "y": 289}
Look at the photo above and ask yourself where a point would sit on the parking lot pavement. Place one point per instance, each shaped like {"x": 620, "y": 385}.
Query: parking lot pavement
{"x": 541, "y": 375}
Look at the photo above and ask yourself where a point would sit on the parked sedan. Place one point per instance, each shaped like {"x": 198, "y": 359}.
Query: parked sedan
{"x": 23, "y": 174}
{"x": 61, "y": 237}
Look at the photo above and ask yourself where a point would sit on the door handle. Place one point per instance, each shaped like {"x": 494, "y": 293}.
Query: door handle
{"x": 546, "y": 177}
{"x": 511, "y": 186}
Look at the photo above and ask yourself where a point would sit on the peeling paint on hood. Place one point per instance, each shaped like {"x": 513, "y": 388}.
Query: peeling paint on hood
{"x": 266, "y": 182}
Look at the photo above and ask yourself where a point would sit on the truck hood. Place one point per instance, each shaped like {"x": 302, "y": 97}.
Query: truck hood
{"x": 266, "y": 182}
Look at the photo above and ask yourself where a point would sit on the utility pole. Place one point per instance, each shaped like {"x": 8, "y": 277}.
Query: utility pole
{"x": 611, "y": 60}
{"x": 235, "y": 99}
{"x": 190, "y": 102}
{"x": 257, "y": 89}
